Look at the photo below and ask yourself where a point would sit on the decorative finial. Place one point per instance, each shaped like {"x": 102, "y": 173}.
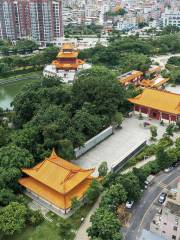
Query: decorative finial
{"x": 53, "y": 154}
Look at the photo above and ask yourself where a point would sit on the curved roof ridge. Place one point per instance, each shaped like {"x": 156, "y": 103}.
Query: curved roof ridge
{"x": 163, "y": 90}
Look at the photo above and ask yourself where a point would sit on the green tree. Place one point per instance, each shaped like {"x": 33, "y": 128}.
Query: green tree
{"x": 12, "y": 159}
{"x": 3, "y": 136}
{"x": 162, "y": 158}
{"x": 4, "y": 68}
{"x": 75, "y": 203}
{"x": 12, "y": 218}
{"x": 131, "y": 185}
{"x": 66, "y": 149}
{"x": 170, "y": 129}
{"x": 65, "y": 229}
{"x": 98, "y": 86}
{"x": 6, "y": 196}
{"x": 105, "y": 225}
{"x": 34, "y": 217}
{"x": 141, "y": 174}
{"x": 103, "y": 169}
{"x": 118, "y": 119}
{"x": 12, "y": 156}
{"x": 114, "y": 196}
{"x": 93, "y": 191}
{"x": 153, "y": 130}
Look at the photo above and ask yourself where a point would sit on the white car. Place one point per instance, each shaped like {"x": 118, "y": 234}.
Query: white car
{"x": 168, "y": 169}
{"x": 129, "y": 204}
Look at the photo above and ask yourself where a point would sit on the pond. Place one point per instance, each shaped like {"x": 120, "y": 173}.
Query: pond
{"x": 9, "y": 91}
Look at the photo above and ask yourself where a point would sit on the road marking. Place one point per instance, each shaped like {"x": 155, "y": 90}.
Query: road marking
{"x": 153, "y": 202}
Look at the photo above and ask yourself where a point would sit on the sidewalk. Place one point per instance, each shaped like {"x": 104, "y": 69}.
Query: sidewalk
{"x": 140, "y": 164}
{"x": 81, "y": 233}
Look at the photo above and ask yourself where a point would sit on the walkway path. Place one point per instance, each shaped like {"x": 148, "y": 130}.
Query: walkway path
{"x": 163, "y": 59}
{"x": 139, "y": 164}
{"x": 147, "y": 160}
{"x": 81, "y": 233}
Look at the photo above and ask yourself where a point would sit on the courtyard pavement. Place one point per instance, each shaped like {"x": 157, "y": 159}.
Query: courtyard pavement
{"x": 119, "y": 145}
{"x": 173, "y": 89}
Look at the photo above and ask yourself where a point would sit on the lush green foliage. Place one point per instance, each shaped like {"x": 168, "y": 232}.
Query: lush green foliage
{"x": 103, "y": 169}
{"x": 105, "y": 225}
{"x": 12, "y": 64}
{"x": 82, "y": 30}
{"x": 72, "y": 115}
{"x": 93, "y": 191}
{"x": 12, "y": 218}
{"x": 22, "y": 46}
{"x": 174, "y": 61}
{"x": 148, "y": 151}
{"x": 114, "y": 196}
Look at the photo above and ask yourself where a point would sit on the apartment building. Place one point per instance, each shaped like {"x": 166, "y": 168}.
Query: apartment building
{"x": 39, "y": 20}
{"x": 171, "y": 17}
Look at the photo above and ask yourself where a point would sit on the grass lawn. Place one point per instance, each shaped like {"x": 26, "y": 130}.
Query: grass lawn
{"x": 49, "y": 230}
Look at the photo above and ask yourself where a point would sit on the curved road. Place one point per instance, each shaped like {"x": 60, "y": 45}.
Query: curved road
{"x": 146, "y": 208}
{"x": 162, "y": 59}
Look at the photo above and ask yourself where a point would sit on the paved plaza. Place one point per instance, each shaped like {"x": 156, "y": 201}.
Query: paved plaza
{"x": 115, "y": 148}
{"x": 173, "y": 89}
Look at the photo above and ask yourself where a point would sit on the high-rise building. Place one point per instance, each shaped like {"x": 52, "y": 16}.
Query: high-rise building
{"x": 40, "y": 20}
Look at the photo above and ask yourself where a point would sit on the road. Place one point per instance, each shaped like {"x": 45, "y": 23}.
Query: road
{"x": 145, "y": 209}
{"x": 162, "y": 59}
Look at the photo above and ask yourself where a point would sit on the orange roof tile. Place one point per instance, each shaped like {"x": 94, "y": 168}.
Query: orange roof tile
{"x": 57, "y": 180}
{"x": 58, "y": 174}
{"x": 52, "y": 196}
{"x": 67, "y": 46}
{"x": 129, "y": 76}
{"x": 67, "y": 54}
{"x": 155, "y": 83}
{"x": 158, "y": 99}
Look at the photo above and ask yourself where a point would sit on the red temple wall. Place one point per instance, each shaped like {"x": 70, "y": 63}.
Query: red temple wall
{"x": 155, "y": 114}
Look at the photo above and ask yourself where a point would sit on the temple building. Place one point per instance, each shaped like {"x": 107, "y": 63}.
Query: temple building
{"x": 134, "y": 77}
{"x": 54, "y": 182}
{"x": 66, "y": 64}
{"x": 157, "y": 82}
{"x": 157, "y": 104}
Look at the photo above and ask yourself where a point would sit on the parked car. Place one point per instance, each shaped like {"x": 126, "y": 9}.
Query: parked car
{"x": 162, "y": 197}
{"x": 149, "y": 181}
{"x": 176, "y": 164}
{"x": 168, "y": 169}
{"x": 129, "y": 204}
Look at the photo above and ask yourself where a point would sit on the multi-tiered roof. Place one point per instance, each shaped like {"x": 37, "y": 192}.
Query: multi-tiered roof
{"x": 67, "y": 58}
{"x": 57, "y": 181}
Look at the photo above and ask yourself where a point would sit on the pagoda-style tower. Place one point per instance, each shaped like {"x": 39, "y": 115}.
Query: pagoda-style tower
{"x": 67, "y": 58}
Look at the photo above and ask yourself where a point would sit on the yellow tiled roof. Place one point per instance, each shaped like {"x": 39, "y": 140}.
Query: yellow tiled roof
{"x": 58, "y": 174}
{"x": 57, "y": 180}
{"x": 61, "y": 65}
{"x": 67, "y": 54}
{"x": 158, "y": 99}
{"x": 129, "y": 76}
{"x": 67, "y": 46}
{"x": 155, "y": 83}
{"x": 60, "y": 200}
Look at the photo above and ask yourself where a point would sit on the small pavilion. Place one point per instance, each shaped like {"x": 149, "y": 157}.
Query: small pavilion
{"x": 67, "y": 58}
{"x": 54, "y": 182}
